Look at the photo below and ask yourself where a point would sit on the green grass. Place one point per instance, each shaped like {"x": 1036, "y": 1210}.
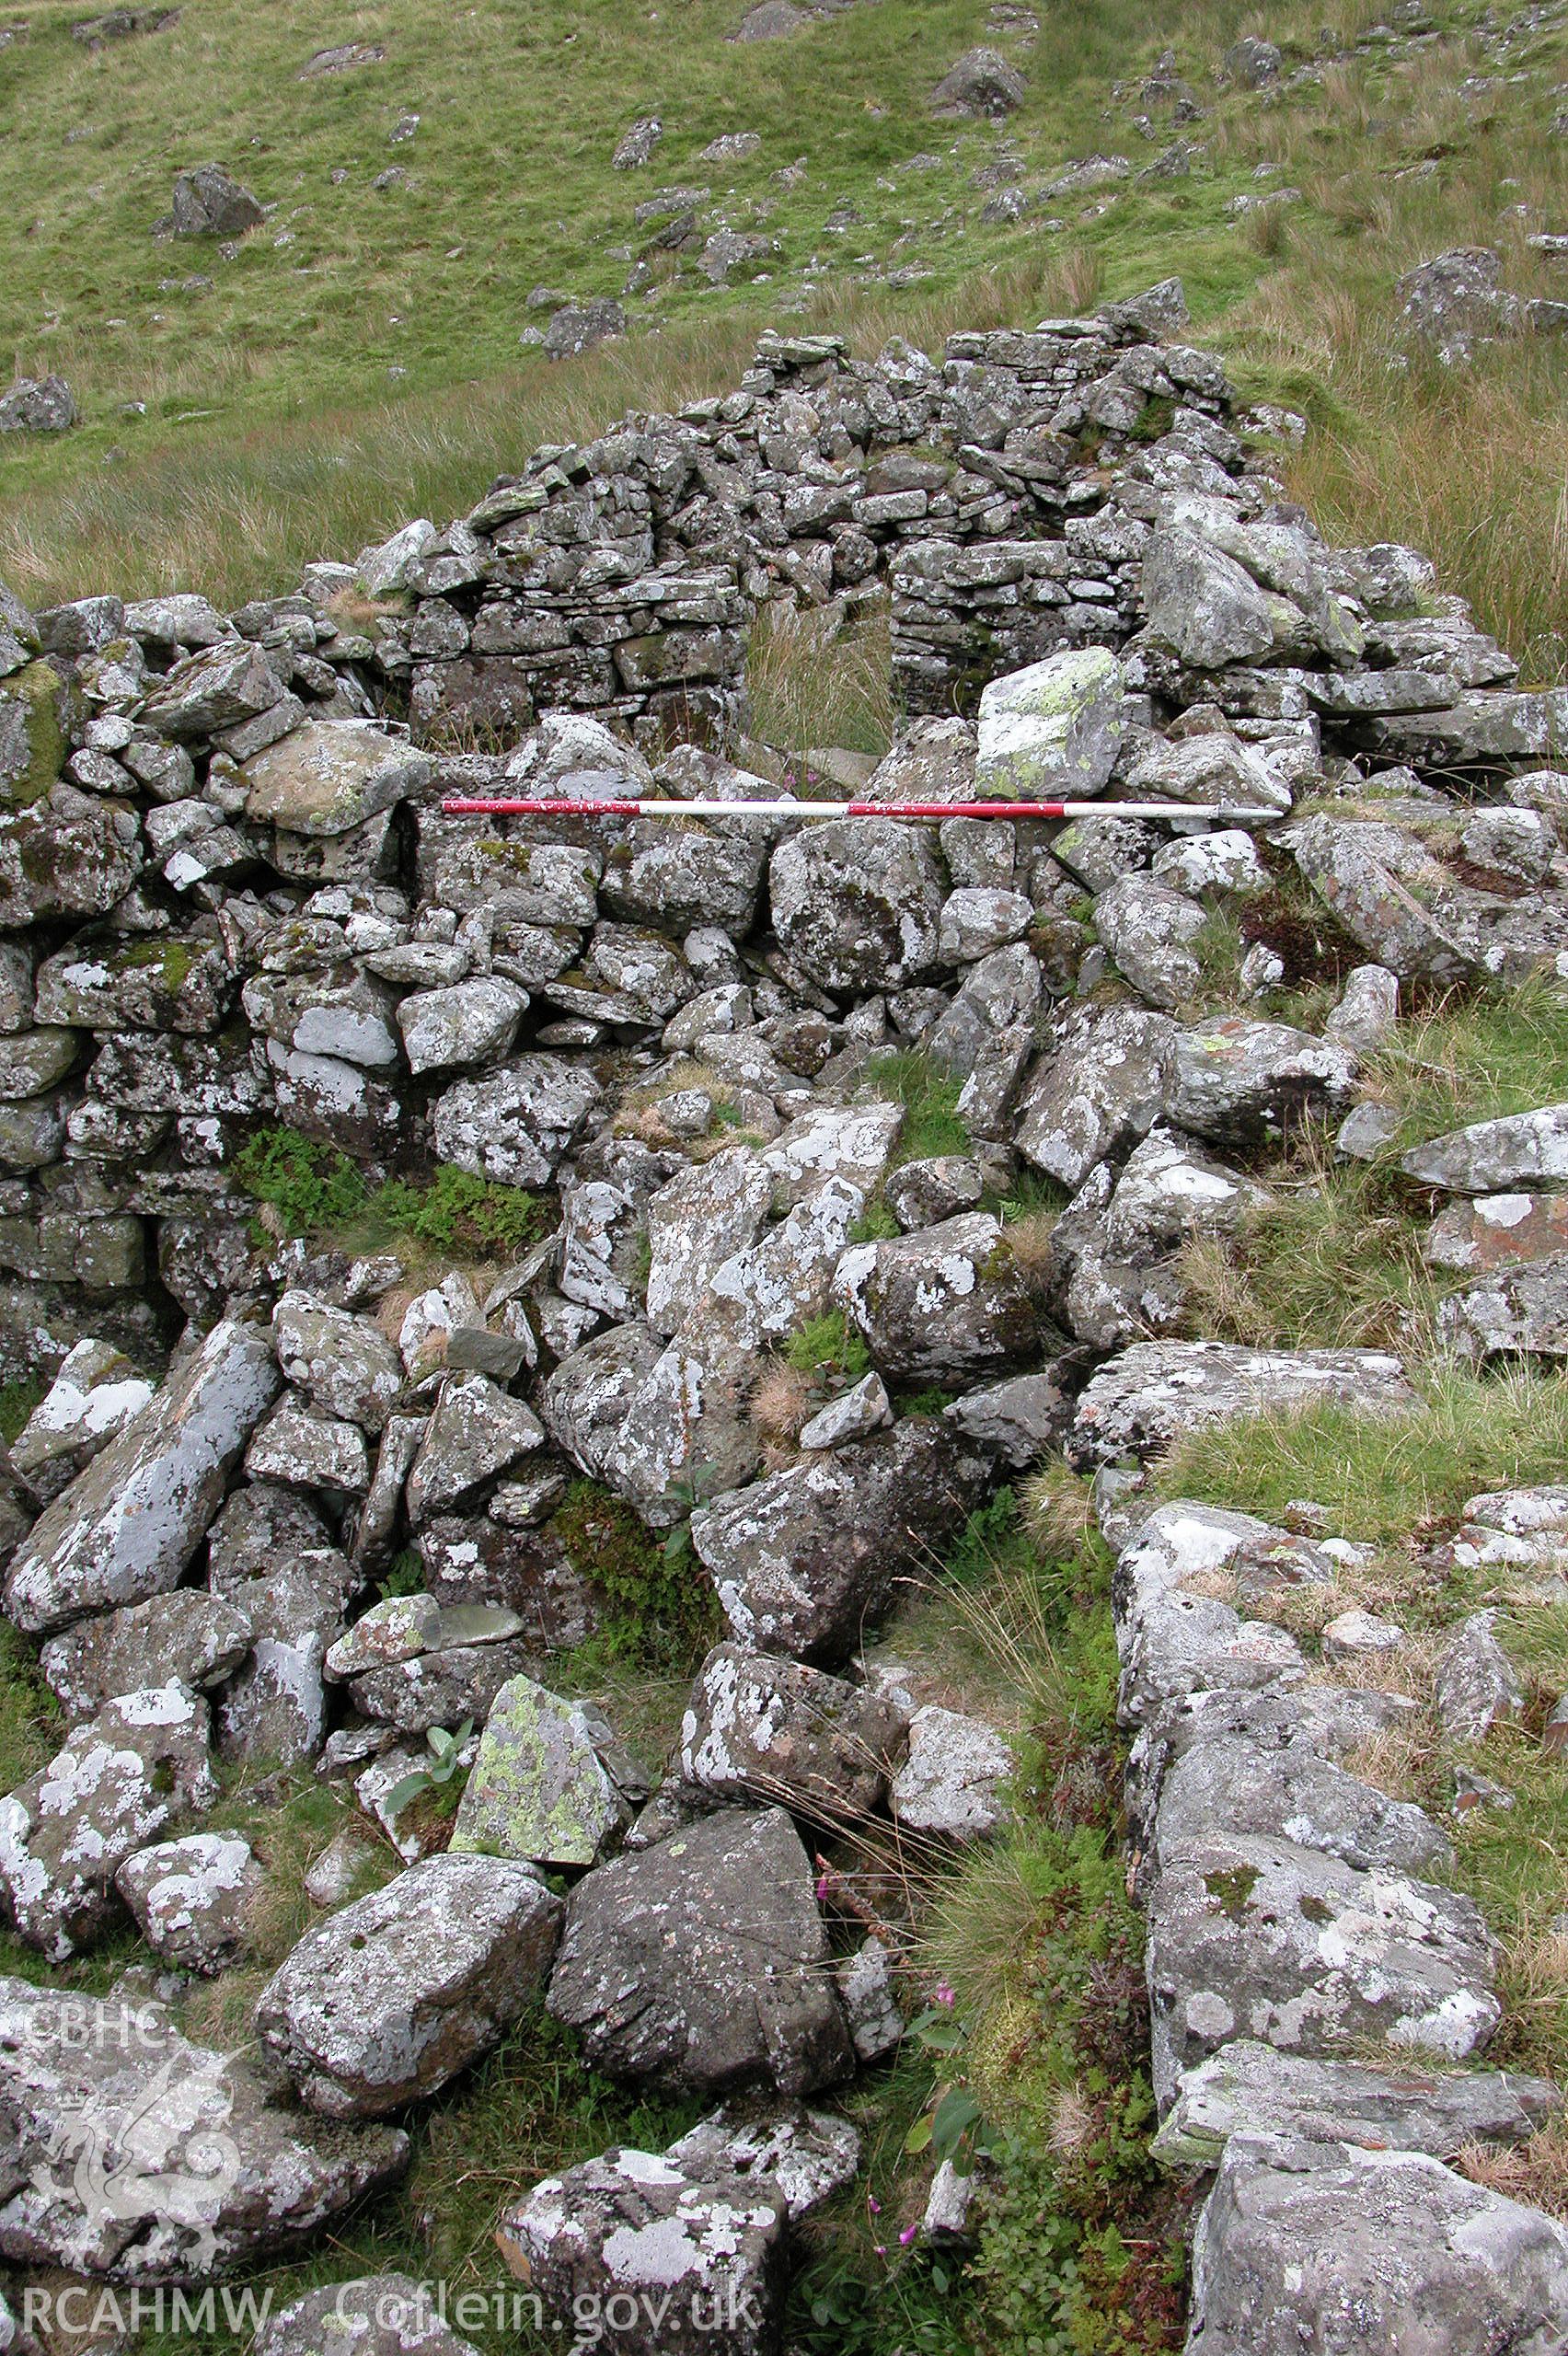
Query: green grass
{"x": 1471, "y": 1059}
{"x": 1382, "y": 1477}
{"x": 1029, "y": 1955}
{"x": 17, "y": 1400}
{"x": 909, "y": 1077}
{"x": 314, "y": 1190}
{"x": 829, "y": 1349}
{"x": 1333, "y": 1262}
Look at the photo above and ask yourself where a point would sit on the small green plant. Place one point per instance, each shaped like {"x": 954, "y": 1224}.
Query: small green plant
{"x": 311, "y": 1187}
{"x": 458, "y": 1212}
{"x": 445, "y": 1765}
{"x": 876, "y": 1224}
{"x": 661, "y": 1613}
{"x": 405, "y": 1574}
{"x": 952, "y": 2125}
{"x": 314, "y": 1190}
{"x": 17, "y": 1400}
{"x": 829, "y": 1349}
{"x": 912, "y": 1078}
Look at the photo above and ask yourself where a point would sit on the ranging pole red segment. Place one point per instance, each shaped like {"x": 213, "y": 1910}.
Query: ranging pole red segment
{"x": 462, "y": 806}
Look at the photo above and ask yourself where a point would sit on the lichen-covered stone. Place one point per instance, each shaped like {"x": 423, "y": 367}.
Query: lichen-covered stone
{"x": 700, "y": 1963}
{"x": 383, "y": 2003}
{"x": 129, "y": 1524}
{"x": 544, "y": 1787}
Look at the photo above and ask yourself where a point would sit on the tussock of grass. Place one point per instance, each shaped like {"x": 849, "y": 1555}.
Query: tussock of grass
{"x": 1382, "y": 1477}
{"x": 813, "y": 684}
{"x": 1334, "y": 1261}
{"x": 910, "y": 1077}
{"x": 1472, "y": 1059}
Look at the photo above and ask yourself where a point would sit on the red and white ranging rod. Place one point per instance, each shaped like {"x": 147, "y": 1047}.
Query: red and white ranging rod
{"x": 497, "y": 806}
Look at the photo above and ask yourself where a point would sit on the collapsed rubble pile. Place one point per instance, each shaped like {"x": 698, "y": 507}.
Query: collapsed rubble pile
{"x": 231, "y": 901}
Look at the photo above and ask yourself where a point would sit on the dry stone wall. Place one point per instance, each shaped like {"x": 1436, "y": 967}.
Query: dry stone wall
{"x": 230, "y": 902}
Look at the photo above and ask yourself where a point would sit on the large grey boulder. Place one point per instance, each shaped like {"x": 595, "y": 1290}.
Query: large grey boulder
{"x": 1238, "y": 1081}
{"x": 391, "y": 1997}
{"x": 803, "y": 1559}
{"x": 691, "y": 2260}
{"x": 761, "y": 1728}
{"x": 1152, "y": 932}
{"x": 1099, "y": 1087}
{"x": 982, "y": 84}
{"x": 702, "y": 1962}
{"x": 218, "y": 687}
{"x": 190, "y": 1896}
{"x": 344, "y": 1363}
{"x": 857, "y": 904}
{"x": 1205, "y": 605}
{"x": 329, "y": 776}
{"x": 72, "y": 861}
{"x": 1175, "y": 1635}
{"x": 37, "y": 404}
{"x": 473, "y": 1023}
{"x": 128, "y": 1526}
{"x": 1155, "y": 1392}
{"x": 706, "y": 1216}
{"x": 515, "y": 1126}
{"x": 941, "y": 1304}
{"x": 1251, "y": 1935}
{"x": 1477, "y": 1685}
{"x": 1051, "y": 733}
{"x": 114, "y": 1785}
{"x": 190, "y": 1636}
{"x": 207, "y": 2172}
{"x": 209, "y": 202}
{"x": 1380, "y": 2249}
{"x": 952, "y": 1786}
{"x": 1490, "y": 1156}
{"x": 478, "y": 1432}
{"x": 577, "y": 326}
{"x": 1456, "y": 301}
{"x": 1250, "y": 2088}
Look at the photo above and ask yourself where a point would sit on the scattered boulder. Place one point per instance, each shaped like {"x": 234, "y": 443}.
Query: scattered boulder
{"x": 115, "y": 1784}
{"x": 803, "y": 1559}
{"x": 695, "y": 2263}
{"x": 1248, "y": 2088}
{"x": 191, "y": 1898}
{"x": 982, "y": 84}
{"x": 37, "y": 404}
{"x": 1053, "y": 731}
{"x": 760, "y": 1729}
{"x": 951, "y": 1786}
{"x": 209, "y": 202}
{"x": 949, "y": 1301}
{"x": 700, "y": 1963}
{"x": 379, "y": 2315}
{"x": 858, "y": 903}
{"x": 256, "y": 2180}
{"x": 577, "y": 326}
{"x": 383, "y": 2003}
{"x": 1155, "y": 1391}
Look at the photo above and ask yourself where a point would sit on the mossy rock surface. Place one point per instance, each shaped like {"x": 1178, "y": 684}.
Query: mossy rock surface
{"x": 32, "y": 733}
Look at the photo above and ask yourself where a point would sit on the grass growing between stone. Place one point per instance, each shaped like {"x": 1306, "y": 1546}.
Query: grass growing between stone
{"x": 932, "y": 1123}
{"x": 312, "y": 1190}
{"x": 1028, "y": 1953}
{"x": 1471, "y": 1057}
{"x": 1383, "y": 1476}
{"x": 1334, "y": 1261}
{"x": 813, "y": 684}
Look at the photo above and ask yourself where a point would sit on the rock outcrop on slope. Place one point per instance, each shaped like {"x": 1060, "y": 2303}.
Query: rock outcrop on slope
{"x": 232, "y": 904}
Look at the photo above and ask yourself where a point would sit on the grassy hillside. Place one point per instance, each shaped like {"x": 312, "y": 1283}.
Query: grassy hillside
{"x": 359, "y": 361}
